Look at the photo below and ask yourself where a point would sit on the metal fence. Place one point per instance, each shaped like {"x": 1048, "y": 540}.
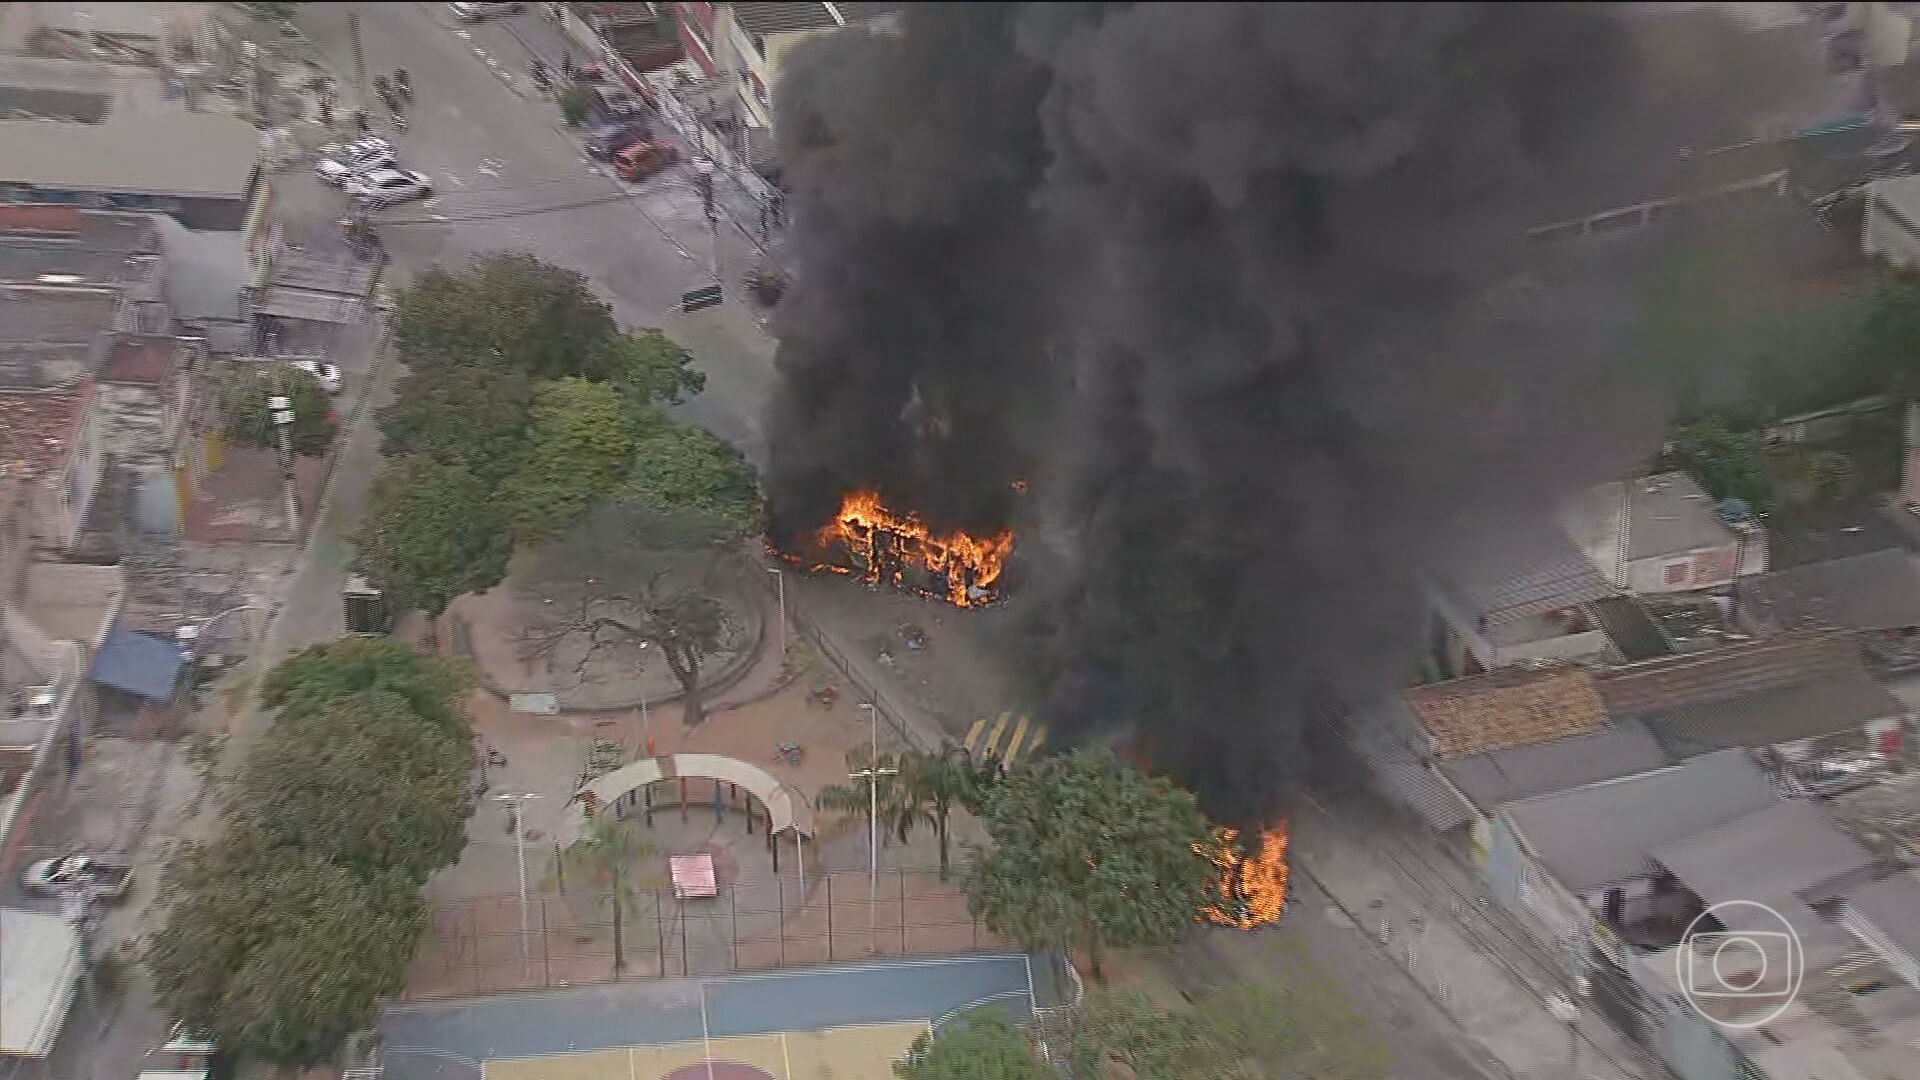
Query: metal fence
{"x": 478, "y": 946}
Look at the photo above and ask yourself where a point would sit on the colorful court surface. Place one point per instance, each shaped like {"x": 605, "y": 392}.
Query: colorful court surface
{"x": 850, "y": 1052}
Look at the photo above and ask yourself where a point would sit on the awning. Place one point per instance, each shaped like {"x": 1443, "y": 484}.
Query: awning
{"x": 39, "y": 972}
{"x": 142, "y": 664}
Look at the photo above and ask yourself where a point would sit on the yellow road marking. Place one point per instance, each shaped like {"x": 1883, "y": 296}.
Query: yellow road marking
{"x": 1019, "y": 733}
{"x": 993, "y": 737}
{"x": 973, "y": 735}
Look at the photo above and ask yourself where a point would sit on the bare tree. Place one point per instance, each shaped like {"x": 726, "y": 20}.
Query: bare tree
{"x": 632, "y": 581}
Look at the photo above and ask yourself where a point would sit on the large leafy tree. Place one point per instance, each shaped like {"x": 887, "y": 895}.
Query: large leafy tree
{"x": 366, "y": 783}
{"x": 241, "y": 396}
{"x": 317, "y": 677}
{"x": 648, "y": 366}
{"x": 279, "y": 953}
{"x": 459, "y": 413}
{"x": 678, "y": 466}
{"x": 1089, "y": 851}
{"x": 579, "y": 445}
{"x": 609, "y": 856}
{"x": 506, "y": 310}
{"x": 981, "y": 1045}
{"x": 1239, "y": 1030}
{"x": 633, "y": 582}
{"x": 432, "y": 531}
{"x": 1728, "y": 464}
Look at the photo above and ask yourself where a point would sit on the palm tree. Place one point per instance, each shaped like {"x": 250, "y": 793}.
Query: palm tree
{"x": 899, "y": 806}
{"x": 938, "y": 783}
{"x": 608, "y": 857}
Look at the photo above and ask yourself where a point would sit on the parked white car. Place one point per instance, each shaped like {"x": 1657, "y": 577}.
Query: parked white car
{"x": 360, "y": 156}
{"x": 476, "y": 12}
{"x": 385, "y": 187}
{"x": 329, "y": 375}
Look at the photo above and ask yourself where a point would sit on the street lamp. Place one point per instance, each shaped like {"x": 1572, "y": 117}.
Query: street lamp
{"x": 646, "y": 722}
{"x": 516, "y": 806}
{"x": 280, "y": 407}
{"x": 872, "y": 774}
{"x": 780, "y": 585}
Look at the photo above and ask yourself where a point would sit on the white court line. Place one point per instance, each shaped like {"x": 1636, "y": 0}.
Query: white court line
{"x": 706, "y": 1038}
{"x": 875, "y": 965}
{"x": 786, "y": 1063}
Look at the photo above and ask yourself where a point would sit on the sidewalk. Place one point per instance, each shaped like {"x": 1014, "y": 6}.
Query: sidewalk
{"x": 1464, "y": 954}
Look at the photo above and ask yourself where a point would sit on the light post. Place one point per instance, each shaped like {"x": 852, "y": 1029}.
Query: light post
{"x": 780, "y": 589}
{"x": 516, "y": 805}
{"x": 646, "y": 721}
{"x": 872, "y": 774}
{"x": 281, "y": 408}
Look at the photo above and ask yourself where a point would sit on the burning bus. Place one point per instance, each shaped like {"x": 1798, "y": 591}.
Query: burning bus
{"x": 883, "y": 546}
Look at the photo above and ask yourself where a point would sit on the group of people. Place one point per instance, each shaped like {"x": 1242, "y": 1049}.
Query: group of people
{"x": 396, "y": 94}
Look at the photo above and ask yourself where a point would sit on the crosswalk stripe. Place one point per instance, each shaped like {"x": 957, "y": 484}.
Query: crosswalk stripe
{"x": 993, "y": 737}
{"x": 1019, "y": 733}
{"x": 1039, "y": 736}
{"x": 973, "y": 736}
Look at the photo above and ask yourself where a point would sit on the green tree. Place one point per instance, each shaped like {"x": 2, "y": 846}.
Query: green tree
{"x": 241, "y": 396}
{"x": 608, "y": 857}
{"x": 506, "y": 310}
{"x": 980, "y": 1045}
{"x": 1089, "y": 851}
{"x": 679, "y": 466}
{"x": 319, "y": 676}
{"x": 579, "y": 445}
{"x": 279, "y": 954}
{"x": 1831, "y": 473}
{"x": 459, "y": 414}
{"x": 432, "y": 531}
{"x": 1125, "y": 1026}
{"x": 939, "y": 783}
{"x": 365, "y": 783}
{"x": 647, "y": 366}
{"x": 1240, "y": 1030}
{"x": 1727, "y": 464}
{"x": 575, "y": 100}
{"x": 639, "y": 582}
{"x": 1891, "y": 337}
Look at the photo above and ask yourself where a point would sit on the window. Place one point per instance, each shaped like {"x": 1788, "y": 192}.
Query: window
{"x": 1675, "y": 573}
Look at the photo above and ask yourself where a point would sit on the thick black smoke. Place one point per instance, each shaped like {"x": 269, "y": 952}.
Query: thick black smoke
{"x": 1245, "y": 292}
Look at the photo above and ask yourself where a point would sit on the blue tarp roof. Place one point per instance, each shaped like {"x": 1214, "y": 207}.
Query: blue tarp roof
{"x": 138, "y": 663}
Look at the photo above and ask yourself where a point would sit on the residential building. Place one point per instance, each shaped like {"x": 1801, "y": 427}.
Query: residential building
{"x": 201, "y": 168}
{"x": 53, "y": 440}
{"x": 1528, "y": 595}
{"x": 1807, "y": 701}
{"x": 1872, "y": 598}
{"x": 1662, "y": 534}
{"x": 751, "y": 42}
{"x": 1892, "y": 230}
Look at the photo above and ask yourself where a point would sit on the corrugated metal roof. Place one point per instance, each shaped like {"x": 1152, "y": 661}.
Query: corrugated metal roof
{"x": 1724, "y": 674}
{"x": 188, "y": 154}
{"x": 1602, "y": 833}
{"x": 1502, "y": 776}
{"x": 38, "y": 981}
{"x": 139, "y": 663}
{"x": 1877, "y": 591}
{"x": 1774, "y": 852}
{"x": 1828, "y": 705}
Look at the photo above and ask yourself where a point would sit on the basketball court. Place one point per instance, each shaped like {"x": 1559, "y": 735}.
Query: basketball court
{"x": 868, "y": 1050}
{"x": 848, "y": 1022}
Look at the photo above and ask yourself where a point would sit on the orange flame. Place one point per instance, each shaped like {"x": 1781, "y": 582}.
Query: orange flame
{"x": 1253, "y": 879}
{"x": 887, "y": 544}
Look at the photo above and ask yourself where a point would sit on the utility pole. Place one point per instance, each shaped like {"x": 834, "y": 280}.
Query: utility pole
{"x": 359, "y": 61}
{"x": 516, "y": 805}
{"x": 780, "y": 583}
{"x": 872, "y": 774}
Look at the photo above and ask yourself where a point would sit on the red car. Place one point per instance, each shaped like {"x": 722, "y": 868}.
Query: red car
{"x": 643, "y": 159}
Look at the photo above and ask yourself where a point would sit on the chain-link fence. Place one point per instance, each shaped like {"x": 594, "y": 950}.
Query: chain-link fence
{"x": 566, "y": 937}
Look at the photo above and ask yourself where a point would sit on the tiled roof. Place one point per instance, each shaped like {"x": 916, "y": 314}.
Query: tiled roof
{"x": 1877, "y": 591}
{"x": 1514, "y": 707}
{"x": 149, "y": 361}
{"x": 37, "y": 425}
{"x": 1677, "y": 682}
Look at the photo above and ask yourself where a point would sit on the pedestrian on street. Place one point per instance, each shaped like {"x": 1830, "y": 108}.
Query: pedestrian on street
{"x": 403, "y": 84}
{"x": 566, "y": 65}
{"x": 360, "y": 121}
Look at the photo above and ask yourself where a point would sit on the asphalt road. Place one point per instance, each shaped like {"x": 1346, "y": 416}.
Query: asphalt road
{"x": 508, "y": 176}
{"x": 421, "y": 1041}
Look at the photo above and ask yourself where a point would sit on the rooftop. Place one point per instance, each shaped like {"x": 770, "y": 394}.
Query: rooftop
{"x": 1902, "y": 194}
{"x": 38, "y": 425}
{"x": 56, "y": 315}
{"x": 1892, "y": 905}
{"x": 38, "y": 982}
{"x": 70, "y": 601}
{"x": 1531, "y": 568}
{"x": 187, "y": 154}
{"x": 1666, "y": 514}
{"x": 1877, "y": 591}
{"x": 1779, "y": 851}
{"x": 1508, "y": 708}
{"x": 58, "y": 244}
{"x": 786, "y": 18}
{"x": 144, "y": 361}
{"x": 1601, "y": 833}
{"x": 1826, "y": 705}
{"x": 1604, "y": 753}
{"x": 1723, "y": 674}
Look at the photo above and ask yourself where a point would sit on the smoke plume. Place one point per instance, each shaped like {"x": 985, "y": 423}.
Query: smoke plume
{"x": 1245, "y": 291}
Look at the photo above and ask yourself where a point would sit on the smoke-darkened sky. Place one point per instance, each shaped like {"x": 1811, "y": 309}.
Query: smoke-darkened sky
{"x": 1245, "y": 291}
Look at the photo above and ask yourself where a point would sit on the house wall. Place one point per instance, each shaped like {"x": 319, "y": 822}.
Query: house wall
{"x": 1701, "y": 568}
{"x": 1555, "y": 917}
{"x": 1693, "y": 1047}
{"x": 85, "y": 461}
